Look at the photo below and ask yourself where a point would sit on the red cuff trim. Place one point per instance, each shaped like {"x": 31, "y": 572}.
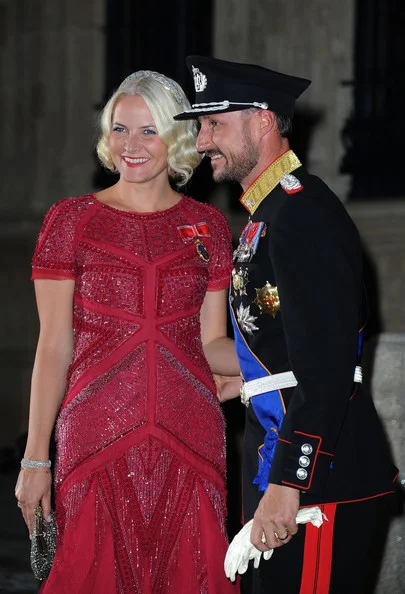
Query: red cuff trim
{"x": 219, "y": 286}
{"x": 51, "y": 275}
{"x": 308, "y": 481}
{"x": 326, "y": 453}
{"x": 320, "y": 451}
{"x": 308, "y": 435}
{"x": 344, "y": 501}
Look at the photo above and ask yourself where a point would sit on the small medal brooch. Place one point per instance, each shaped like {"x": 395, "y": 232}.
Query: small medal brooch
{"x": 193, "y": 233}
{"x": 248, "y": 241}
{"x": 239, "y": 281}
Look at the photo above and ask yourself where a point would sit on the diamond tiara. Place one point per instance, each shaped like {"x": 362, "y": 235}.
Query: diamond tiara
{"x": 161, "y": 78}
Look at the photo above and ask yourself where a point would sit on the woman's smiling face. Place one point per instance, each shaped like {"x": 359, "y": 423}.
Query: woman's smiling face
{"x": 136, "y": 149}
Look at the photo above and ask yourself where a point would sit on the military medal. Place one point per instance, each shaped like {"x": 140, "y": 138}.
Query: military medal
{"x": 245, "y": 319}
{"x": 267, "y": 300}
{"x": 248, "y": 241}
{"x": 239, "y": 281}
{"x": 202, "y": 250}
{"x": 193, "y": 233}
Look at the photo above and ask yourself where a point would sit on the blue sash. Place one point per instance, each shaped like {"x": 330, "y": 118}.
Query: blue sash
{"x": 360, "y": 342}
{"x": 269, "y": 407}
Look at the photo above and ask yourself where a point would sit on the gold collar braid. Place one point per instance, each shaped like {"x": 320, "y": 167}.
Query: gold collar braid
{"x": 268, "y": 180}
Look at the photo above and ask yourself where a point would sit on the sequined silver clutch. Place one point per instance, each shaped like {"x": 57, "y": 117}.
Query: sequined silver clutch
{"x": 43, "y": 544}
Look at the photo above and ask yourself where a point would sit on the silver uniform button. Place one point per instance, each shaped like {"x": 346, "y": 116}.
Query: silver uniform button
{"x": 306, "y": 449}
{"x": 304, "y": 461}
{"x": 302, "y": 474}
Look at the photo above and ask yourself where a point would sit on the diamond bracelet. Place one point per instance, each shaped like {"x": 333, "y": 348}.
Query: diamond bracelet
{"x": 35, "y": 463}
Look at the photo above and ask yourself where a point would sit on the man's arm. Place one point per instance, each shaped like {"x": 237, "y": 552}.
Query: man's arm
{"x": 317, "y": 262}
{"x": 318, "y": 272}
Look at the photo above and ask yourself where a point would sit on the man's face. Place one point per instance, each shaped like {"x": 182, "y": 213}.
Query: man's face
{"x": 226, "y": 139}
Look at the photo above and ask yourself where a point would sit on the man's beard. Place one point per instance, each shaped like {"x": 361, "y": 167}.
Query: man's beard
{"x": 242, "y": 164}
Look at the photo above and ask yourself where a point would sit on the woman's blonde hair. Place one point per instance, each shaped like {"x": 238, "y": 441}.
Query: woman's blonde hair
{"x": 165, "y": 99}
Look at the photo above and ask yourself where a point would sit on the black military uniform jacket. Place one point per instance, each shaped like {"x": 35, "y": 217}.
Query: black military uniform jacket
{"x": 309, "y": 258}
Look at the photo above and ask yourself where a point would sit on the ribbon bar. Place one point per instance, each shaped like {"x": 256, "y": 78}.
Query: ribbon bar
{"x": 191, "y": 231}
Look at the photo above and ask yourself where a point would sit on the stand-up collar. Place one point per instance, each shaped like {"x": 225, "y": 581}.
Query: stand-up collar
{"x": 268, "y": 180}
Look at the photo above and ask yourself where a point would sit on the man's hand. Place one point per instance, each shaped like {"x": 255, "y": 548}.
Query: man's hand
{"x": 228, "y": 386}
{"x": 275, "y": 517}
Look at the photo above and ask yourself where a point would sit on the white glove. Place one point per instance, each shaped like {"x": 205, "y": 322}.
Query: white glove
{"x": 241, "y": 550}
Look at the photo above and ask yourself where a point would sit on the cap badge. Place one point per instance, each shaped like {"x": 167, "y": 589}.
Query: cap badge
{"x": 290, "y": 183}
{"x": 200, "y": 80}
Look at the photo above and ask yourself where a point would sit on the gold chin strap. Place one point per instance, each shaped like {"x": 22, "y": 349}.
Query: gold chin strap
{"x": 268, "y": 180}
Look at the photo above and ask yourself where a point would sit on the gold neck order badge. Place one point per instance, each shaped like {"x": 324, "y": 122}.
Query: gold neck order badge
{"x": 268, "y": 180}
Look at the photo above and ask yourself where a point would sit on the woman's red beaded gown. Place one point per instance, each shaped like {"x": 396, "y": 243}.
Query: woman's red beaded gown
{"x": 140, "y": 470}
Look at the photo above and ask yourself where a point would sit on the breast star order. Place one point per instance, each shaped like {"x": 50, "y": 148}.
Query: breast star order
{"x": 267, "y": 299}
{"x": 245, "y": 319}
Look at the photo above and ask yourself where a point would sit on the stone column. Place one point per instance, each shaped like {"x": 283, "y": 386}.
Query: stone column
{"x": 388, "y": 387}
{"x": 51, "y": 83}
{"x": 382, "y": 229}
{"x": 51, "y": 79}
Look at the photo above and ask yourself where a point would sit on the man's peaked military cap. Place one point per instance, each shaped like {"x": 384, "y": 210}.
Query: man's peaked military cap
{"x": 223, "y": 86}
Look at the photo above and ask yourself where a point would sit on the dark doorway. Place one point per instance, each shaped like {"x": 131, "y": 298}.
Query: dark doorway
{"x": 155, "y": 35}
{"x": 374, "y": 134}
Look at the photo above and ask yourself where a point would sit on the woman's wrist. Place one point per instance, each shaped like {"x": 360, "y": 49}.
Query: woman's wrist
{"x": 36, "y": 450}
{"x": 36, "y": 470}
{"x": 28, "y": 463}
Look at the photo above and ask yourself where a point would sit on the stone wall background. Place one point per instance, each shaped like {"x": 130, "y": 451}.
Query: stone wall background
{"x": 382, "y": 229}
{"x": 51, "y": 84}
{"x": 51, "y": 80}
{"x": 312, "y": 39}
{"x": 384, "y": 365}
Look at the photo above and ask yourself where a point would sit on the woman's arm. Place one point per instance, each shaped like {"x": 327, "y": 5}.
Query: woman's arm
{"x": 53, "y": 357}
{"x": 219, "y": 350}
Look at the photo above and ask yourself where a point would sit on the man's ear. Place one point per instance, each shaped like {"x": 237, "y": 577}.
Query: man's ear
{"x": 266, "y": 121}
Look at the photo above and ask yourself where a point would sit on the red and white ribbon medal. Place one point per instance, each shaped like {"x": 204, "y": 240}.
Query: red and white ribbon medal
{"x": 193, "y": 233}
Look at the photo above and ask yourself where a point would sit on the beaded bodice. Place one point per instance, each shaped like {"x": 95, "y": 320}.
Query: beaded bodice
{"x": 139, "y": 287}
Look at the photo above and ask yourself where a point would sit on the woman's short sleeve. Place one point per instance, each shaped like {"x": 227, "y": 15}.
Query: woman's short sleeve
{"x": 54, "y": 255}
{"x": 220, "y": 264}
